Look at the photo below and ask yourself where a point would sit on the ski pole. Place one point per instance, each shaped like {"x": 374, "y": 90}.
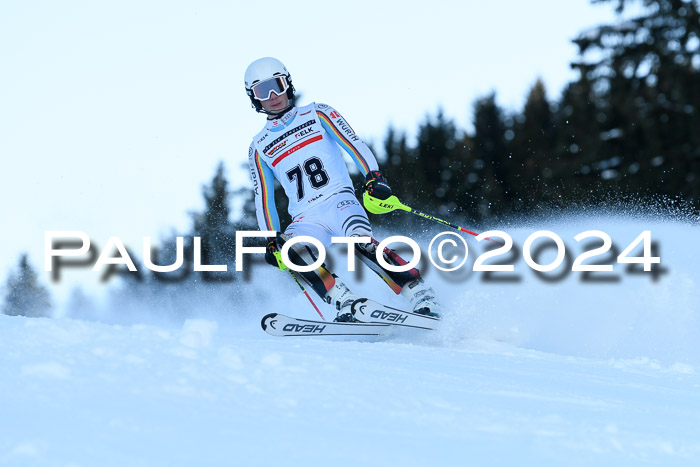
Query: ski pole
{"x": 283, "y": 267}
{"x": 382, "y": 206}
{"x": 303, "y": 289}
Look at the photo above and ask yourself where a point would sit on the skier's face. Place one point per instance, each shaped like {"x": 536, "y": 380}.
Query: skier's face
{"x": 276, "y": 103}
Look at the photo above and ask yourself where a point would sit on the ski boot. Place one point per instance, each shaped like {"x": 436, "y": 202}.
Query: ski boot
{"x": 342, "y": 298}
{"x": 422, "y": 298}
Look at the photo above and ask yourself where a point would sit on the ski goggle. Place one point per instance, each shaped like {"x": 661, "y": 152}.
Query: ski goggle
{"x": 263, "y": 90}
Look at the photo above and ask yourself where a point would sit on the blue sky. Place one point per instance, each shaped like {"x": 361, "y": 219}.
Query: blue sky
{"x": 114, "y": 114}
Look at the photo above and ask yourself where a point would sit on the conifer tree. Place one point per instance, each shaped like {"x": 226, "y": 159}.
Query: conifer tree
{"x": 646, "y": 71}
{"x": 578, "y": 137}
{"x": 440, "y": 164}
{"x": 25, "y": 295}
{"x": 214, "y": 228}
{"x": 534, "y": 140}
{"x": 489, "y": 180}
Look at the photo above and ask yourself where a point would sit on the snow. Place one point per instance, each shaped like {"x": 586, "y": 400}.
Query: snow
{"x": 525, "y": 372}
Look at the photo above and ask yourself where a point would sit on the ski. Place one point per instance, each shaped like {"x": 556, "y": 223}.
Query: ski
{"x": 285, "y": 326}
{"x": 369, "y": 311}
{"x": 374, "y": 319}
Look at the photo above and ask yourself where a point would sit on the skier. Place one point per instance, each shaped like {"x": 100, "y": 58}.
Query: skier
{"x": 299, "y": 147}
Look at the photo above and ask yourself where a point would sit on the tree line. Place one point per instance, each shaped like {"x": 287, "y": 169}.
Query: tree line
{"x": 628, "y": 127}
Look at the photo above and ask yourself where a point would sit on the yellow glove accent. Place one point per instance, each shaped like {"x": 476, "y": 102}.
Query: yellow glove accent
{"x": 382, "y": 206}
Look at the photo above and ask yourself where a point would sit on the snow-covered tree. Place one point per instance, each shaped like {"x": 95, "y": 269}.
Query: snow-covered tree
{"x": 25, "y": 295}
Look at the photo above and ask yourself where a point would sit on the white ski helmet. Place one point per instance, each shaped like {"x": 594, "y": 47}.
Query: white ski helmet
{"x": 267, "y": 69}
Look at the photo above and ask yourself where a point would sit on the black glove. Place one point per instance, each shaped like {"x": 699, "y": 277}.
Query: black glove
{"x": 272, "y": 253}
{"x": 376, "y": 185}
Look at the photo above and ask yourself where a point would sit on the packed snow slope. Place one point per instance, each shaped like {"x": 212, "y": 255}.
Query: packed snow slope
{"x": 554, "y": 369}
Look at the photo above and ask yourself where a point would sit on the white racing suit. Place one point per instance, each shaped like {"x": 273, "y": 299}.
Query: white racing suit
{"x": 301, "y": 150}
